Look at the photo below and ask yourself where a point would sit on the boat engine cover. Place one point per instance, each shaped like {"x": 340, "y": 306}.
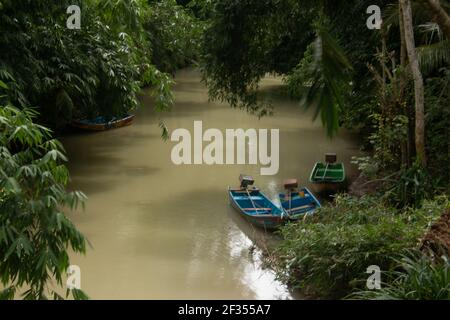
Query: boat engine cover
{"x": 290, "y": 184}
{"x": 246, "y": 180}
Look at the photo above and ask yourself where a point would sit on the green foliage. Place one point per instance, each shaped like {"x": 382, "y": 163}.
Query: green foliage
{"x": 410, "y": 183}
{"x": 387, "y": 139}
{"x": 302, "y": 75}
{"x": 330, "y": 251}
{"x": 412, "y": 187}
{"x": 366, "y": 165}
{"x": 247, "y": 39}
{"x": 435, "y": 52}
{"x": 78, "y": 73}
{"x": 202, "y": 9}
{"x": 392, "y": 140}
{"x": 123, "y": 15}
{"x": 162, "y": 88}
{"x": 330, "y": 78}
{"x": 240, "y": 48}
{"x": 174, "y": 35}
{"x": 97, "y": 70}
{"x": 35, "y": 234}
{"x": 416, "y": 277}
{"x": 434, "y": 56}
{"x": 437, "y": 95}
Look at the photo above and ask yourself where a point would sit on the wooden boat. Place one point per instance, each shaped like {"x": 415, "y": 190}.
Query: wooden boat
{"x": 102, "y": 124}
{"x": 298, "y": 203}
{"x": 255, "y": 206}
{"x": 328, "y": 176}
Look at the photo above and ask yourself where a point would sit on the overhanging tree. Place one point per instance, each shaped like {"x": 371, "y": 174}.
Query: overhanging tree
{"x": 35, "y": 234}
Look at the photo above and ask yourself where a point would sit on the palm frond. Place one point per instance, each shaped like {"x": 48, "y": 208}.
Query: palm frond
{"x": 434, "y": 56}
{"x": 331, "y": 68}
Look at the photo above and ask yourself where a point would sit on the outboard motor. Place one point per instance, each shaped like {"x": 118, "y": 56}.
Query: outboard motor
{"x": 330, "y": 158}
{"x": 246, "y": 181}
{"x": 290, "y": 184}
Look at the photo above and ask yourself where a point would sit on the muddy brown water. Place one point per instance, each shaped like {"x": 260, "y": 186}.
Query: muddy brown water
{"x": 161, "y": 231}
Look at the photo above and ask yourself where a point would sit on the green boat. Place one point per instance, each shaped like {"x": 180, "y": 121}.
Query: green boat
{"x": 328, "y": 176}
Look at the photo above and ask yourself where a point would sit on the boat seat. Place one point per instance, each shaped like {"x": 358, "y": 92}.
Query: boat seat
{"x": 326, "y": 179}
{"x": 297, "y": 195}
{"x": 300, "y": 208}
{"x": 246, "y": 198}
{"x": 257, "y": 209}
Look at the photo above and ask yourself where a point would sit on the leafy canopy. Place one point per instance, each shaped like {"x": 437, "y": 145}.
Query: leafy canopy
{"x": 34, "y": 231}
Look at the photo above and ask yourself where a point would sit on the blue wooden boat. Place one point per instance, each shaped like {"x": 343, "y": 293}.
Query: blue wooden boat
{"x": 255, "y": 206}
{"x": 298, "y": 203}
{"x": 102, "y": 123}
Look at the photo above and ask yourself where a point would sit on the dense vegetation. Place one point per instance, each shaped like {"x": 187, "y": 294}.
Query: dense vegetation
{"x": 34, "y": 232}
{"x": 418, "y": 278}
{"x": 389, "y": 85}
{"x": 98, "y": 69}
{"x": 53, "y": 75}
{"x": 329, "y": 252}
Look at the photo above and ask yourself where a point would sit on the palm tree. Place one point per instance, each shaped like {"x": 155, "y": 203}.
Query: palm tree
{"x": 331, "y": 69}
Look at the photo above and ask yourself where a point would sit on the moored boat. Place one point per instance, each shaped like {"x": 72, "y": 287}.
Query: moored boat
{"x": 255, "y": 206}
{"x": 328, "y": 176}
{"x": 102, "y": 124}
{"x": 298, "y": 202}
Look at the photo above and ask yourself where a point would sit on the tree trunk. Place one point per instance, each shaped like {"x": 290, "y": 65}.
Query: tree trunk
{"x": 418, "y": 80}
{"x": 409, "y": 144}
{"x": 439, "y": 15}
{"x": 403, "y": 56}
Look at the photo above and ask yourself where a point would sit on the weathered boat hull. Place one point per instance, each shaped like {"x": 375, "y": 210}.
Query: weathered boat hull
{"x": 327, "y": 188}
{"x": 92, "y": 126}
{"x": 268, "y": 221}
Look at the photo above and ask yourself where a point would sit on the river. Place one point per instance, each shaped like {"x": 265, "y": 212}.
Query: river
{"x": 161, "y": 231}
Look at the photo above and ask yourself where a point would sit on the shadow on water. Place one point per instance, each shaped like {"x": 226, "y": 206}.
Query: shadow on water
{"x": 94, "y": 165}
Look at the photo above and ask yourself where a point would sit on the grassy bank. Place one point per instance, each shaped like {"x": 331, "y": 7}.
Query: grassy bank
{"x": 327, "y": 255}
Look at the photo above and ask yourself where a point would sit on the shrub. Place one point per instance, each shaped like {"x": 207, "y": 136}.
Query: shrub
{"x": 417, "y": 278}
{"x": 412, "y": 187}
{"x": 34, "y": 232}
{"x": 329, "y": 252}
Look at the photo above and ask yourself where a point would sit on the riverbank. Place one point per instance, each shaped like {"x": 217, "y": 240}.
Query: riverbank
{"x": 328, "y": 254}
